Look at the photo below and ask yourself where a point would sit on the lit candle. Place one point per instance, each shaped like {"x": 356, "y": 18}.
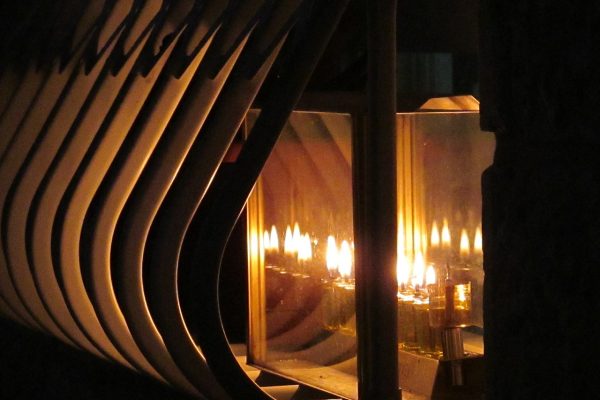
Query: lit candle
{"x": 274, "y": 239}
{"x": 446, "y": 242}
{"x": 478, "y": 246}
{"x": 434, "y": 240}
{"x": 402, "y": 272}
{"x": 304, "y": 248}
{"x": 348, "y": 323}
{"x": 345, "y": 260}
{"x": 465, "y": 247}
{"x": 266, "y": 241}
{"x": 405, "y": 313}
{"x": 418, "y": 272}
{"x": 288, "y": 242}
{"x": 460, "y": 299}
{"x": 296, "y": 237}
{"x": 331, "y": 256}
{"x": 430, "y": 275}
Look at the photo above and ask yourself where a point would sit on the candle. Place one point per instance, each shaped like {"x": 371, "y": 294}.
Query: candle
{"x": 331, "y": 256}
{"x": 266, "y": 241}
{"x": 478, "y": 247}
{"x": 288, "y": 242}
{"x": 450, "y": 304}
{"x": 304, "y": 248}
{"x": 402, "y": 272}
{"x": 430, "y": 276}
{"x": 418, "y": 272}
{"x": 406, "y": 321}
{"x": 345, "y": 260}
{"x": 434, "y": 240}
{"x": 338, "y": 308}
{"x": 296, "y": 237}
{"x": 446, "y": 242}
{"x": 465, "y": 247}
{"x": 346, "y": 290}
{"x": 274, "y": 239}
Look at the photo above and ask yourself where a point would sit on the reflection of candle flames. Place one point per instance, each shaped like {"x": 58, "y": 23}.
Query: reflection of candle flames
{"x": 332, "y": 255}
{"x": 478, "y": 242}
{"x": 345, "y": 260}
{"x": 445, "y": 235}
{"x": 418, "y": 270}
{"x": 460, "y": 293}
{"x": 304, "y": 248}
{"x": 417, "y": 238}
{"x": 402, "y": 270}
{"x": 266, "y": 241}
{"x": 288, "y": 242}
{"x": 430, "y": 275}
{"x": 435, "y": 236}
{"x": 465, "y": 247}
{"x": 296, "y": 237}
{"x": 274, "y": 239}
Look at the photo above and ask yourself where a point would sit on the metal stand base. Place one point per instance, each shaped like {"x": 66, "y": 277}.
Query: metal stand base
{"x": 426, "y": 377}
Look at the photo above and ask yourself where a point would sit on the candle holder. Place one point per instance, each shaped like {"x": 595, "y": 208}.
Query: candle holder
{"x": 407, "y": 339}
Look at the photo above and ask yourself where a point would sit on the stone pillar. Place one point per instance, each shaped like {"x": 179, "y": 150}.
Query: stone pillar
{"x": 541, "y": 95}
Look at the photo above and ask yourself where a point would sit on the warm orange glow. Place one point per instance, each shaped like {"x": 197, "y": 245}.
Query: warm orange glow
{"x": 478, "y": 242}
{"x": 418, "y": 270}
{"x": 266, "y": 241}
{"x": 345, "y": 260}
{"x": 446, "y": 242}
{"x": 332, "y": 255}
{"x": 435, "y": 236}
{"x": 274, "y": 240}
{"x": 288, "y": 242}
{"x": 402, "y": 270}
{"x": 465, "y": 247}
{"x": 430, "y": 275}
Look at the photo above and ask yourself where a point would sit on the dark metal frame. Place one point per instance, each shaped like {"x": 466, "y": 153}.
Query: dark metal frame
{"x": 375, "y": 213}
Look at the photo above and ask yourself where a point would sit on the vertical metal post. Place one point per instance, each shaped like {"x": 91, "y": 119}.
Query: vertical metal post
{"x": 375, "y": 213}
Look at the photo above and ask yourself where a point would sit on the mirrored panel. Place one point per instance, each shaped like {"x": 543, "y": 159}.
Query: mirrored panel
{"x": 301, "y": 254}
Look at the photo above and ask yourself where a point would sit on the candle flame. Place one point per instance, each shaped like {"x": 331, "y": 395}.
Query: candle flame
{"x": 402, "y": 270}
{"x": 478, "y": 242}
{"x": 345, "y": 260}
{"x": 435, "y": 236}
{"x": 418, "y": 270}
{"x": 266, "y": 241}
{"x": 430, "y": 275}
{"x": 332, "y": 255}
{"x": 465, "y": 247}
{"x": 445, "y": 235}
{"x": 274, "y": 240}
{"x": 288, "y": 242}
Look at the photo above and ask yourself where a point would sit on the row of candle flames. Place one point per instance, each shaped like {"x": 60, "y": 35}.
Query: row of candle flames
{"x": 426, "y": 305}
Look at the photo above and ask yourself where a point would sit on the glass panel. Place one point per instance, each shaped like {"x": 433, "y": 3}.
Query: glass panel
{"x": 302, "y": 316}
{"x": 301, "y": 256}
{"x": 440, "y": 258}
